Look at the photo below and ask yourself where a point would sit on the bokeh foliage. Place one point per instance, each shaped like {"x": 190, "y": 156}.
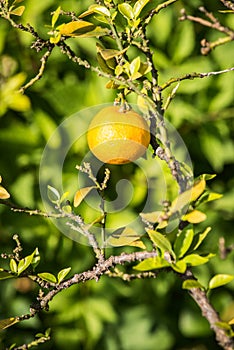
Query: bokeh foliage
{"x": 113, "y": 314}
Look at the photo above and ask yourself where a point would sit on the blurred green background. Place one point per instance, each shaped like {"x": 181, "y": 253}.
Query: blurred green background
{"x": 112, "y": 314}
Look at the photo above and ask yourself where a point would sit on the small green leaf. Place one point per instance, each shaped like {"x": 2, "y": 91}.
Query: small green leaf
{"x": 180, "y": 266}
{"x": 53, "y": 194}
{"x": 152, "y": 264}
{"x": 220, "y": 280}
{"x": 56, "y": 38}
{"x": 18, "y": 11}
{"x": 160, "y": 241}
{"x": 13, "y": 266}
{"x": 126, "y": 10}
{"x": 183, "y": 242}
{"x": 190, "y": 284}
{"x": 81, "y": 194}
{"x": 8, "y": 322}
{"x": 207, "y": 177}
{"x": 24, "y": 263}
{"x": 195, "y": 259}
{"x": 48, "y": 277}
{"x": 62, "y": 274}
{"x": 55, "y": 16}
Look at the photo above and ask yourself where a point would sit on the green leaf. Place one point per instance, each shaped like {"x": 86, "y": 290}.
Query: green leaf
{"x": 62, "y": 274}
{"x": 96, "y": 33}
{"x": 160, "y": 241}
{"x": 53, "y": 194}
{"x": 48, "y": 277}
{"x": 183, "y": 242}
{"x": 190, "y": 284}
{"x": 18, "y": 11}
{"x": 4, "y": 274}
{"x": 220, "y": 280}
{"x": 24, "y": 263}
{"x": 13, "y": 266}
{"x": 81, "y": 194}
{"x": 138, "y": 7}
{"x": 126, "y": 10}
{"x": 195, "y": 259}
{"x": 194, "y": 217}
{"x": 8, "y": 322}
{"x": 151, "y": 264}
{"x": 180, "y": 266}
{"x": 55, "y": 16}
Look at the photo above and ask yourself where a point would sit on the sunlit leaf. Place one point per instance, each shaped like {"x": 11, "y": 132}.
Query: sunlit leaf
{"x": 55, "y": 16}
{"x": 63, "y": 273}
{"x": 13, "y": 266}
{"x": 36, "y": 258}
{"x": 81, "y": 194}
{"x": 75, "y": 28}
{"x": 48, "y": 277}
{"x": 101, "y": 10}
{"x": 19, "y": 102}
{"x": 126, "y": 10}
{"x": 138, "y": 7}
{"x": 183, "y": 242}
{"x": 8, "y": 322}
{"x": 18, "y": 11}
{"x": 3, "y": 193}
{"x": 151, "y": 264}
{"x": 197, "y": 189}
{"x": 180, "y": 266}
{"x": 134, "y": 67}
{"x": 190, "y": 284}
{"x": 194, "y": 217}
{"x": 196, "y": 260}
{"x": 97, "y": 32}
{"x": 220, "y": 280}
{"x": 160, "y": 241}
{"x": 25, "y": 262}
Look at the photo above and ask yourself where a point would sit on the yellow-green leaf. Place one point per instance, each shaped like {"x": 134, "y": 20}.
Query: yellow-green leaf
{"x": 55, "y": 16}
{"x": 18, "y": 11}
{"x": 138, "y": 7}
{"x": 126, "y": 10}
{"x": 81, "y": 194}
{"x": 220, "y": 280}
{"x": 46, "y": 276}
{"x": 8, "y": 322}
{"x": 5, "y": 275}
{"x": 75, "y": 28}
{"x": 160, "y": 241}
{"x": 3, "y": 193}
{"x": 197, "y": 189}
{"x": 101, "y": 10}
{"x": 194, "y": 217}
{"x": 125, "y": 237}
{"x": 151, "y": 217}
{"x": 180, "y": 266}
{"x": 183, "y": 242}
{"x": 151, "y": 264}
{"x": 190, "y": 284}
{"x": 196, "y": 260}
